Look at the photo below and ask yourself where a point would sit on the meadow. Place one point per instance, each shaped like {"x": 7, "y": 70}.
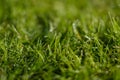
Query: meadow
{"x": 59, "y": 39}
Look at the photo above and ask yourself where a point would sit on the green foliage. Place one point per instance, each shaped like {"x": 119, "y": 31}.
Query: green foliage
{"x": 59, "y": 40}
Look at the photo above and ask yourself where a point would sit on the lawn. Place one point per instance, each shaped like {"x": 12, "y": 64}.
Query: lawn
{"x": 59, "y": 39}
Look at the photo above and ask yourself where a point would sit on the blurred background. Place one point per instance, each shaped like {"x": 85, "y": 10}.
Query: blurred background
{"x": 41, "y": 16}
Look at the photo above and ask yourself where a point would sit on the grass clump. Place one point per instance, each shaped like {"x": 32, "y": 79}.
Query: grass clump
{"x": 59, "y": 40}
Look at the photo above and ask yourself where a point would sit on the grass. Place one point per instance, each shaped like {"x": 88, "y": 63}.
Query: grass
{"x": 59, "y": 40}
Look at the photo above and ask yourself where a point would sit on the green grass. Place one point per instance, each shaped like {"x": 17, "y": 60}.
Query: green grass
{"x": 59, "y": 40}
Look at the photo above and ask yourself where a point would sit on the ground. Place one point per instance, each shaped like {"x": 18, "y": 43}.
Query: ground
{"x": 59, "y": 40}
